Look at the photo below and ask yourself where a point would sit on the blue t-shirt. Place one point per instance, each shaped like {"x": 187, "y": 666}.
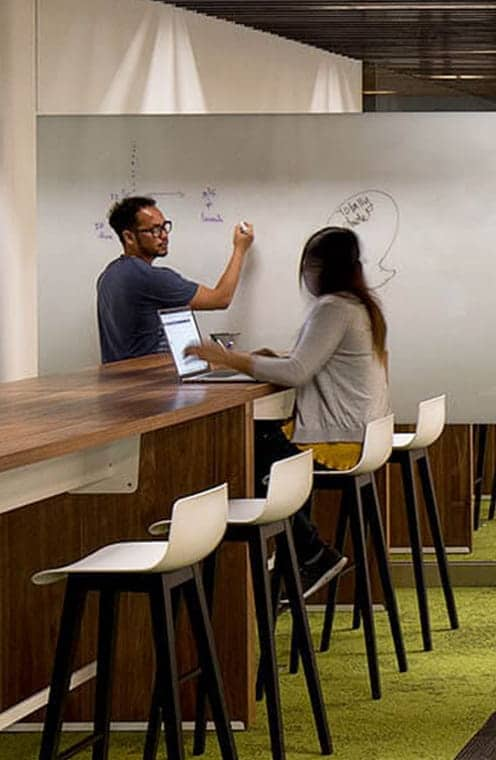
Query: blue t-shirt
{"x": 129, "y": 293}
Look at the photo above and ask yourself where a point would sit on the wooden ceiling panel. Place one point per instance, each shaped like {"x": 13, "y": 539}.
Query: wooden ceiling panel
{"x": 450, "y": 42}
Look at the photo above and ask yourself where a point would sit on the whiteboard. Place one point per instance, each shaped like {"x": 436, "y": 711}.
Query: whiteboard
{"x": 417, "y": 188}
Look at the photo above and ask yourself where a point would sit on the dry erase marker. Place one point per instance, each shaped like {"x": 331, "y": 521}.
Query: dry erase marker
{"x": 243, "y": 226}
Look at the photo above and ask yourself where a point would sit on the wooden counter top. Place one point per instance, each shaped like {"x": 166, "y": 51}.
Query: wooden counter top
{"x": 51, "y": 416}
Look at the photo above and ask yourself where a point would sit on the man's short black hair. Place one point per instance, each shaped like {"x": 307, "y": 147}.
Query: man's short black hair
{"x": 122, "y": 215}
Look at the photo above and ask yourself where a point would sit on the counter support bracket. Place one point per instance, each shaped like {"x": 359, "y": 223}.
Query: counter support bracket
{"x": 111, "y": 468}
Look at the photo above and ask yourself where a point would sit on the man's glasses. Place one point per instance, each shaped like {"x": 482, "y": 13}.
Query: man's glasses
{"x": 157, "y": 230}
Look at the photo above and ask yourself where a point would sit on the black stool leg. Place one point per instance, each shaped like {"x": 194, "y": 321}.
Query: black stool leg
{"x": 200, "y": 622}
{"x": 154, "y": 720}
{"x": 294, "y": 655}
{"x": 436, "y": 533}
{"x": 70, "y": 626}
{"x": 341, "y": 530}
{"x": 479, "y": 472}
{"x": 411, "y": 505}
{"x": 166, "y": 665}
{"x": 154, "y": 724}
{"x": 285, "y": 546}
{"x": 107, "y": 629}
{"x": 355, "y": 620}
{"x": 265, "y": 622}
{"x": 363, "y": 582}
{"x": 377, "y": 533}
{"x": 200, "y": 735}
{"x": 275, "y": 591}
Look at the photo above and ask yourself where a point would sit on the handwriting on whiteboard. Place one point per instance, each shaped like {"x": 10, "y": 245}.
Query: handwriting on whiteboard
{"x": 357, "y": 210}
{"x": 374, "y": 216}
{"x": 209, "y": 211}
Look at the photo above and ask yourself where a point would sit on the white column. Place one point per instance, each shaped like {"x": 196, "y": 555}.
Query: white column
{"x": 18, "y": 287}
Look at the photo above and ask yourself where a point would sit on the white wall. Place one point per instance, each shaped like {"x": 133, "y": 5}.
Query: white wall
{"x": 245, "y": 71}
{"x": 148, "y": 57}
{"x": 117, "y": 56}
{"x": 18, "y": 320}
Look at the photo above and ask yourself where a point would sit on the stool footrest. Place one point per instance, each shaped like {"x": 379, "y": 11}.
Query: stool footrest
{"x": 189, "y": 674}
{"x": 79, "y": 746}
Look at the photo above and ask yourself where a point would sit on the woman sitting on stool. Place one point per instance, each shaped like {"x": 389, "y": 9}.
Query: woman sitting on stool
{"x": 338, "y": 369}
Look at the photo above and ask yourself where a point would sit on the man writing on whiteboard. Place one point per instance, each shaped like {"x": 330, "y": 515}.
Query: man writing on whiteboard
{"x": 130, "y": 290}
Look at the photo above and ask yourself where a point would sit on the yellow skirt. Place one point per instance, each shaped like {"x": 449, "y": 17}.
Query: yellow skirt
{"x": 335, "y": 456}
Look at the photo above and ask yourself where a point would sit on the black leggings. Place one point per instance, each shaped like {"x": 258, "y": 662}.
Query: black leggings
{"x": 271, "y": 445}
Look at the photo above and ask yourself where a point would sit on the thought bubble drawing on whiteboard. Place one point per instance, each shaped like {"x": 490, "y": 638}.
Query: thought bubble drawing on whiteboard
{"x": 374, "y": 216}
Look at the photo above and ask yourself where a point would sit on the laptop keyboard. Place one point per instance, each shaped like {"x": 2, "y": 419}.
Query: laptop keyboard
{"x": 221, "y": 373}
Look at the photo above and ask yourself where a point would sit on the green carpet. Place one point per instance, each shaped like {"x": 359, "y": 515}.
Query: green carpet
{"x": 428, "y": 713}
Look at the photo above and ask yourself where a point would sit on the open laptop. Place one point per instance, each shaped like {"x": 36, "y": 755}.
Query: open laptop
{"x": 181, "y": 330}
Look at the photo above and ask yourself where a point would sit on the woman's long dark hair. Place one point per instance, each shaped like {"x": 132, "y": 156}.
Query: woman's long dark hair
{"x": 330, "y": 263}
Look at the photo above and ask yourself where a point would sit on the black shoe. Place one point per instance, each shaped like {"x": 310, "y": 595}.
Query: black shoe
{"x": 315, "y": 573}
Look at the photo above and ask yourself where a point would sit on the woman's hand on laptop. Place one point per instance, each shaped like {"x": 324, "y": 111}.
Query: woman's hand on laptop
{"x": 220, "y": 356}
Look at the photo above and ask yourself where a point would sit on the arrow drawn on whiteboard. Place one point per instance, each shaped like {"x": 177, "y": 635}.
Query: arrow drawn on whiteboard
{"x": 171, "y": 194}
{"x": 374, "y": 215}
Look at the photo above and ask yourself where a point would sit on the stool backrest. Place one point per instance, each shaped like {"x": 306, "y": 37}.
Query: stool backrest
{"x": 377, "y": 446}
{"x": 197, "y": 526}
{"x": 277, "y": 406}
{"x": 431, "y": 418}
{"x": 290, "y": 485}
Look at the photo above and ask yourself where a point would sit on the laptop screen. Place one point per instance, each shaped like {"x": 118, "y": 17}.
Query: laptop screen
{"x": 181, "y": 330}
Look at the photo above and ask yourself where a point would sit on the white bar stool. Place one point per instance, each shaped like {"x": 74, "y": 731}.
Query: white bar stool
{"x": 255, "y": 521}
{"x": 158, "y": 569}
{"x": 360, "y": 508}
{"x": 408, "y": 449}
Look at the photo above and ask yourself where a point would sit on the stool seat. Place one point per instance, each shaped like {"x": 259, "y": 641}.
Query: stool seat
{"x": 431, "y": 418}
{"x": 240, "y": 512}
{"x": 376, "y": 449}
{"x": 129, "y": 557}
{"x": 245, "y": 511}
{"x": 403, "y": 440}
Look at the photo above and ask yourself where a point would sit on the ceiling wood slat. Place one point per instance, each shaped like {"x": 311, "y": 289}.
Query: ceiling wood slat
{"x": 420, "y": 38}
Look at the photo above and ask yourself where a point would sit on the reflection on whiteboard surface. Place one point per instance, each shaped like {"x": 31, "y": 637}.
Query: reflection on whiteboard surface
{"x": 414, "y": 187}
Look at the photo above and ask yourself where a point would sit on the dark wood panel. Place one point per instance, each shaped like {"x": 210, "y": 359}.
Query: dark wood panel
{"x": 32, "y": 538}
{"x": 450, "y": 458}
{"x": 175, "y": 461}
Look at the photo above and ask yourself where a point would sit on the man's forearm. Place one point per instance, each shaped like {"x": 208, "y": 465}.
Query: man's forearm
{"x": 228, "y": 281}
{"x": 222, "y": 294}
